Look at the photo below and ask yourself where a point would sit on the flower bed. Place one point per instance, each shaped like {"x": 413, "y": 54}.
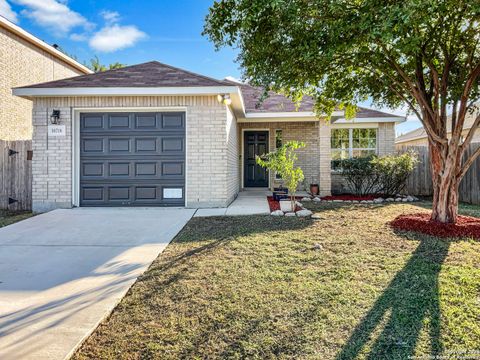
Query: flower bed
{"x": 348, "y": 197}
{"x": 275, "y": 205}
{"x": 466, "y": 226}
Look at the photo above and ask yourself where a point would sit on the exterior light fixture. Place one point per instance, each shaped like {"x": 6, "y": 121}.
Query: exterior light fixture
{"x": 224, "y": 99}
{"x": 55, "y": 117}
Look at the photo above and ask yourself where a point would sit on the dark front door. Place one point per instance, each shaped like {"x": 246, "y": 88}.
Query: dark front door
{"x": 256, "y": 143}
{"x": 132, "y": 159}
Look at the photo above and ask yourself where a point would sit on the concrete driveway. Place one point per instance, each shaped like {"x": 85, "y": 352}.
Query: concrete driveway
{"x": 62, "y": 272}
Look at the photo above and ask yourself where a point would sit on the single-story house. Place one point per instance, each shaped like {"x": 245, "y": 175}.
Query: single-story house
{"x": 24, "y": 60}
{"x": 153, "y": 134}
{"x": 418, "y": 137}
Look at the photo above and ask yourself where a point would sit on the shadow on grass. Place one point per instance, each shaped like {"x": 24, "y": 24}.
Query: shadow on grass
{"x": 409, "y": 305}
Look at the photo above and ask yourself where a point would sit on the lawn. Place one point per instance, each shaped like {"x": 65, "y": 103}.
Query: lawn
{"x": 342, "y": 287}
{"x": 8, "y": 217}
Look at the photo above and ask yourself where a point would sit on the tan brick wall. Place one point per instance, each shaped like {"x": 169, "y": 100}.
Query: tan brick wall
{"x": 207, "y": 142}
{"x": 22, "y": 63}
{"x": 385, "y": 146}
{"x": 314, "y": 159}
{"x": 233, "y": 151}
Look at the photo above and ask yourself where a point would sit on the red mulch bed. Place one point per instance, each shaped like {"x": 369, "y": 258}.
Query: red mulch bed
{"x": 350, "y": 197}
{"x": 275, "y": 205}
{"x": 466, "y": 226}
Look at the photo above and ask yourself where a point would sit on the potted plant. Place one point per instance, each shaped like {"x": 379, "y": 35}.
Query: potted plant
{"x": 314, "y": 188}
{"x": 282, "y": 161}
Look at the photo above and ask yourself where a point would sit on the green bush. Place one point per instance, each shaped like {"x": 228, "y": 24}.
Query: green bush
{"x": 384, "y": 175}
{"x": 393, "y": 171}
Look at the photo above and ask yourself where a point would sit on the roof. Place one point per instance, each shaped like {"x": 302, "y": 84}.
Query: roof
{"x": 411, "y": 135}
{"x": 278, "y": 103}
{"x": 42, "y": 45}
{"x": 156, "y": 78}
{"x": 273, "y": 103}
{"x": 149, "y": 74}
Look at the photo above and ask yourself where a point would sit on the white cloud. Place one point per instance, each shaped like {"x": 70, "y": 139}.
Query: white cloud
{"x": 54, "y": 15}
{"x": 7, "y": 12}
{"x": 79, "y": 37}
{"x": 115, "y": 37}
{"x": 110, "y": 17}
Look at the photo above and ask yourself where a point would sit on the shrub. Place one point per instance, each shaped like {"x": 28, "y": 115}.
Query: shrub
{"x": 393, "y": 171}
{"x": 385, "y": 175}
{"x": 360, "y": 175}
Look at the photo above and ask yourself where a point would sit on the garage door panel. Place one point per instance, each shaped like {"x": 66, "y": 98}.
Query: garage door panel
{"x": 132, "y": 159}
{"x": 111, "y": 145}
{"x": 131, "y": 169}
{"x": 133, "y": 195}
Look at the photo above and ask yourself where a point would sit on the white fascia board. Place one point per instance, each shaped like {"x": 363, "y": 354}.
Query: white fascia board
{"x": 124, "y": 91}
{"x": 288, "y": 114}
{"x": 17, "y": 30}
{"x": 370, "y": 120}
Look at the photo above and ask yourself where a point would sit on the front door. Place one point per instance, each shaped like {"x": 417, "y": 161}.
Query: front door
{"x": 256, "y": 143}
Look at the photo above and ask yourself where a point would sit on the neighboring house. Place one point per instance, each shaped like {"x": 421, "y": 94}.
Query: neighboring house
{"x": 24, "y": 59}
{"x": 153, "y": 134}
{"x": 418, "y": 137}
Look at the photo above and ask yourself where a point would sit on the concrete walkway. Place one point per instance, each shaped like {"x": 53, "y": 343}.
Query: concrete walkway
{"x": 248, "y": 202}
{"x": 62, "y": 272}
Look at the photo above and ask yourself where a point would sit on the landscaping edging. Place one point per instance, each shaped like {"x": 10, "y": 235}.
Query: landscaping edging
{"x": 348, "y": 199}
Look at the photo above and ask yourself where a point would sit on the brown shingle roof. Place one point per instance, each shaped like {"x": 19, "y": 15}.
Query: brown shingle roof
{"x": 150, "y": 74}
{"x": 279, "y": 103}
{"x": 156, "y": 74}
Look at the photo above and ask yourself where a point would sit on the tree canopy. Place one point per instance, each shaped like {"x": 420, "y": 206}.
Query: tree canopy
{"x": 422, "y": 53}
{"x": 343, "y": 52}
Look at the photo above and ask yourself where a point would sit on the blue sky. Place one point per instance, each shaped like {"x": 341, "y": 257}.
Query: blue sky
{"x": 132, "y": 32}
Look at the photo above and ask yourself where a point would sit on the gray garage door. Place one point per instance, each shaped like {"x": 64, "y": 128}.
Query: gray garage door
{"x": 132, "y": 159}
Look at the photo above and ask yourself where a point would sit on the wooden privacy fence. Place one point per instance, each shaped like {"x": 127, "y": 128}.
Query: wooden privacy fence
{"x": 420, "y": 182}
{"x": 16, "y": 175}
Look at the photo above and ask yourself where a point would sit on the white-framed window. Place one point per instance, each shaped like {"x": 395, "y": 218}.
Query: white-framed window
{"x": 278, "y": 144}
{"x": 353, "y": 142}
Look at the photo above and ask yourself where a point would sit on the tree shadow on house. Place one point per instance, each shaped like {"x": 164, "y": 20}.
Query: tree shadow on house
{"x": 407, "y": 309}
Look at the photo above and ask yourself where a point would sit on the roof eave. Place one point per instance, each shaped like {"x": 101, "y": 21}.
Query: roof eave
{"x": 373, "y": 119}
{"x": 122, "y": 91}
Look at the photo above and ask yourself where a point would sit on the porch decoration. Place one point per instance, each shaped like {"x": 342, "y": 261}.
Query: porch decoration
{"x": 282, "y": 161}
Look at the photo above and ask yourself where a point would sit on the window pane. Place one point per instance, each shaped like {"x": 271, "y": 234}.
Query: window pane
{"x": 340, "y": 139}
{"x": 362, "y": 153}
{"x": 364, "y": 138}
{"x": 339, "y": 154}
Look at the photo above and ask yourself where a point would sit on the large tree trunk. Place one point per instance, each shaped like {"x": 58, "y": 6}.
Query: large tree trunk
{"x": 445, "y": 167}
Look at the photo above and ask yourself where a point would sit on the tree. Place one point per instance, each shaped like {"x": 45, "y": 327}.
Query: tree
{"x": 96, "y": 66}
{"x": 282, "y": 161}
{"x": 422, "y": 53}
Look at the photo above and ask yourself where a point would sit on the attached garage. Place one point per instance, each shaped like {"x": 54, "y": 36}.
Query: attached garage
{"x": 132, "y": 159}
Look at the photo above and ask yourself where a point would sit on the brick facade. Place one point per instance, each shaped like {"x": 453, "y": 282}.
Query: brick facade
{"x": 314, "y": 159}
{"x": 22, "y": 63}
{"x": 214, "y": 148}
{"x": 209, "y": 162}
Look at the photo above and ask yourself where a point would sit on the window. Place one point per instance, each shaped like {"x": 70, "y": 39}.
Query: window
{"x": 278, "y": 144}
{"x": 347, "y": 143}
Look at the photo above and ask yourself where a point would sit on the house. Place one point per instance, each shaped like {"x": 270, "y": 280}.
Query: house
{"x": 418, "y": 137}
{"x": 153, "y": 134}
{"x": 25, "y": 59}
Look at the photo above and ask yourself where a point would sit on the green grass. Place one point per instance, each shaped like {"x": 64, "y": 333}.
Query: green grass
{"x": 259, "y": 287}
{"x": 8, "y": 217}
